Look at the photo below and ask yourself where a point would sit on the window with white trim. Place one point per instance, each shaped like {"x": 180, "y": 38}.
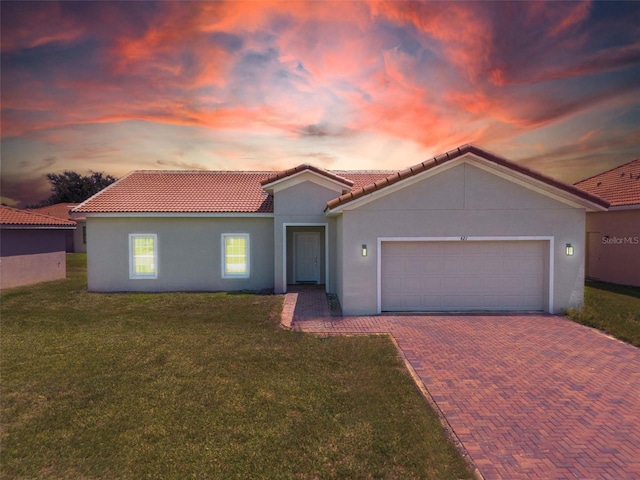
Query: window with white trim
{"x": 143, "y": 255}
{"x": 235, "y": 255}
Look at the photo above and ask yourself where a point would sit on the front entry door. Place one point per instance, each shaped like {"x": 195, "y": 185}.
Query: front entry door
{"x": 306, "y": 257}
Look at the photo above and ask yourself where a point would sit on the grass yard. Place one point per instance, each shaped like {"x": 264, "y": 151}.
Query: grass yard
{"x": 614, "y": 309}
{"x": 203, "y": 386}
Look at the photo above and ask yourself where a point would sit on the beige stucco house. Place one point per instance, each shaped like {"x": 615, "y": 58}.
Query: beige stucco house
{"x": 613, "y": 237}
{"x": 467, "y": 230}
{"x": 32, "y": 247}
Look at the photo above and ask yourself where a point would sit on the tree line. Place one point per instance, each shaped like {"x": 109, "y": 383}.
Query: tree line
{"x": 71, "y": 187}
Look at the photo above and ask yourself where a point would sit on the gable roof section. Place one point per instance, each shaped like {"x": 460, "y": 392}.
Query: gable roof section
{"x": 58, "y": 210}
{"x": 383, "y": 183}
{"x": 305, "y": 167}
{"x": 149, "y": 191}
{"x": 620, "y": 186}
{"x": 15, "y": 218}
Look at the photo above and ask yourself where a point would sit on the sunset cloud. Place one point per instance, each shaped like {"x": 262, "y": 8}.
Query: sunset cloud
{"x": 123, "y": 85}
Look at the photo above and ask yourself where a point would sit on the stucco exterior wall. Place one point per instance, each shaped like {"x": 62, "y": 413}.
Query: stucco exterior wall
{"x": 339, "y": 258}
{"x": 79, "y": 246}
{"x": 463, "y": 201}
{"x": 189, "y": 253}
{"x": 302, "y": 205}
{"x": 31, "y": 256}
{"x": 613, "y": 246}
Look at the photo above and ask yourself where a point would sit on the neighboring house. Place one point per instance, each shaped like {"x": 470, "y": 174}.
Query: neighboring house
{"x": 76, "y": 240}
{"x": 467, "y": 230}
{"x": 613, "y": 237}
{"x": 32, "y": 247}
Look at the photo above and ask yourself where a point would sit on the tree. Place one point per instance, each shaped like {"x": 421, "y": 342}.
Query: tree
{"x": 71, "y": 187}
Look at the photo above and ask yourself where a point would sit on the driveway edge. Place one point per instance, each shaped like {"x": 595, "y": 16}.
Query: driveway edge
{"x": 451, "y": 434}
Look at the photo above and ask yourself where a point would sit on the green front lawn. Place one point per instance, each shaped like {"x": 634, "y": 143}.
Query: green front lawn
{"x": 200, "y": 385}
{"x": 614, "y": 309}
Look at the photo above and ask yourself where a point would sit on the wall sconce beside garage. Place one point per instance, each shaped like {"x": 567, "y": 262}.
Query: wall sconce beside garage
{"x": 568, "y": 249}
{"x": 364, "y": 250}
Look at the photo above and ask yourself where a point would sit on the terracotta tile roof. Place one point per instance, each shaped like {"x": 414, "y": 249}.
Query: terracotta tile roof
{"x": 24, "y": 218}
{"x": 453, "y": 154}
{"x": 360, "y": 178}
{"x": 620, "y": 186}
{"x": 149, "y": 191}
{"x": 300, "y": 168}
{"x": 58, "y": 210}
{"x": 158, "y": 191}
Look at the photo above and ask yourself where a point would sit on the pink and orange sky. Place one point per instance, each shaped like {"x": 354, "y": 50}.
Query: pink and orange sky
{"x": 119, "y": 86}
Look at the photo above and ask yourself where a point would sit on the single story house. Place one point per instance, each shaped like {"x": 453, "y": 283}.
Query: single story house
{"x": 32, "y": 247}
{"x": 76, "y": 241}
{"x": 613, "y": 237}
{"x": 466, "y": 230}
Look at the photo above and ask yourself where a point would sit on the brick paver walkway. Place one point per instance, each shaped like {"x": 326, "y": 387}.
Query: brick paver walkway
{"x": 534, "y": 396}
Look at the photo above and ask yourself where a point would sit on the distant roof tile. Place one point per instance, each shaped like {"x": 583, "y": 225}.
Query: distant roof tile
{"x": 620, "y": 186}
{"x": 59, "y": 210}
{"x": 15, "y": 217}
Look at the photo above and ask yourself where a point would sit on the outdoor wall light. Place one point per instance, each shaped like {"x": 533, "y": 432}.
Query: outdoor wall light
{"x": 568, "y": 249}
{"x": 364, "y": 250}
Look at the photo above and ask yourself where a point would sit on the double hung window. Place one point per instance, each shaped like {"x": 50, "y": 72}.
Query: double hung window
{"x": 235, "y": 255}
{"x": 143, "y": 255}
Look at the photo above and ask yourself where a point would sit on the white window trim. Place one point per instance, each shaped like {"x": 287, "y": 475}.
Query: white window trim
{"x": 223, "y": 262}
{"x": 132, "y": 274}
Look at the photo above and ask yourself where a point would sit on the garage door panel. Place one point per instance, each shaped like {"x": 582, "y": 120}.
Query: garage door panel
{"x": 473, "y": 264}
{"x": 413, "y": 285}
{"x": 469, "y": 248}
{"x": 531, "y": 264}
{"x": 412, "y": 265}
{"x": 394, "y": 303}
{"x": 392, "y": 265}
{"x": 452, "y": 264}
{"x": 432, "y": 284}
{"x": 531, "y": 283}
{"x": 491, "y": 248}
{"x": 485, "y": 275}
{"x": 432, "y": 262}
{"x": 492, "y": 264}
{"x": 462, "y": 302}
{"x": 451, "y": 248}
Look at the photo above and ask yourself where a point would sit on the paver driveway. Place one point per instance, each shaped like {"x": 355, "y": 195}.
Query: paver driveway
{"x": 528, "y": 396}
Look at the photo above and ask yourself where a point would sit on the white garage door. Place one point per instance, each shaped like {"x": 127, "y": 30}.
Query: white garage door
{"x": 463, "y": 275}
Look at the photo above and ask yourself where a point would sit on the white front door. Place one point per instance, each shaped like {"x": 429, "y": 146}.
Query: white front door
{"x": 306, "y": 257}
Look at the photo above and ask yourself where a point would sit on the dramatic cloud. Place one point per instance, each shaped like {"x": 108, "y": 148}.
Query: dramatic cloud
{"x": 114, "y": 86}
